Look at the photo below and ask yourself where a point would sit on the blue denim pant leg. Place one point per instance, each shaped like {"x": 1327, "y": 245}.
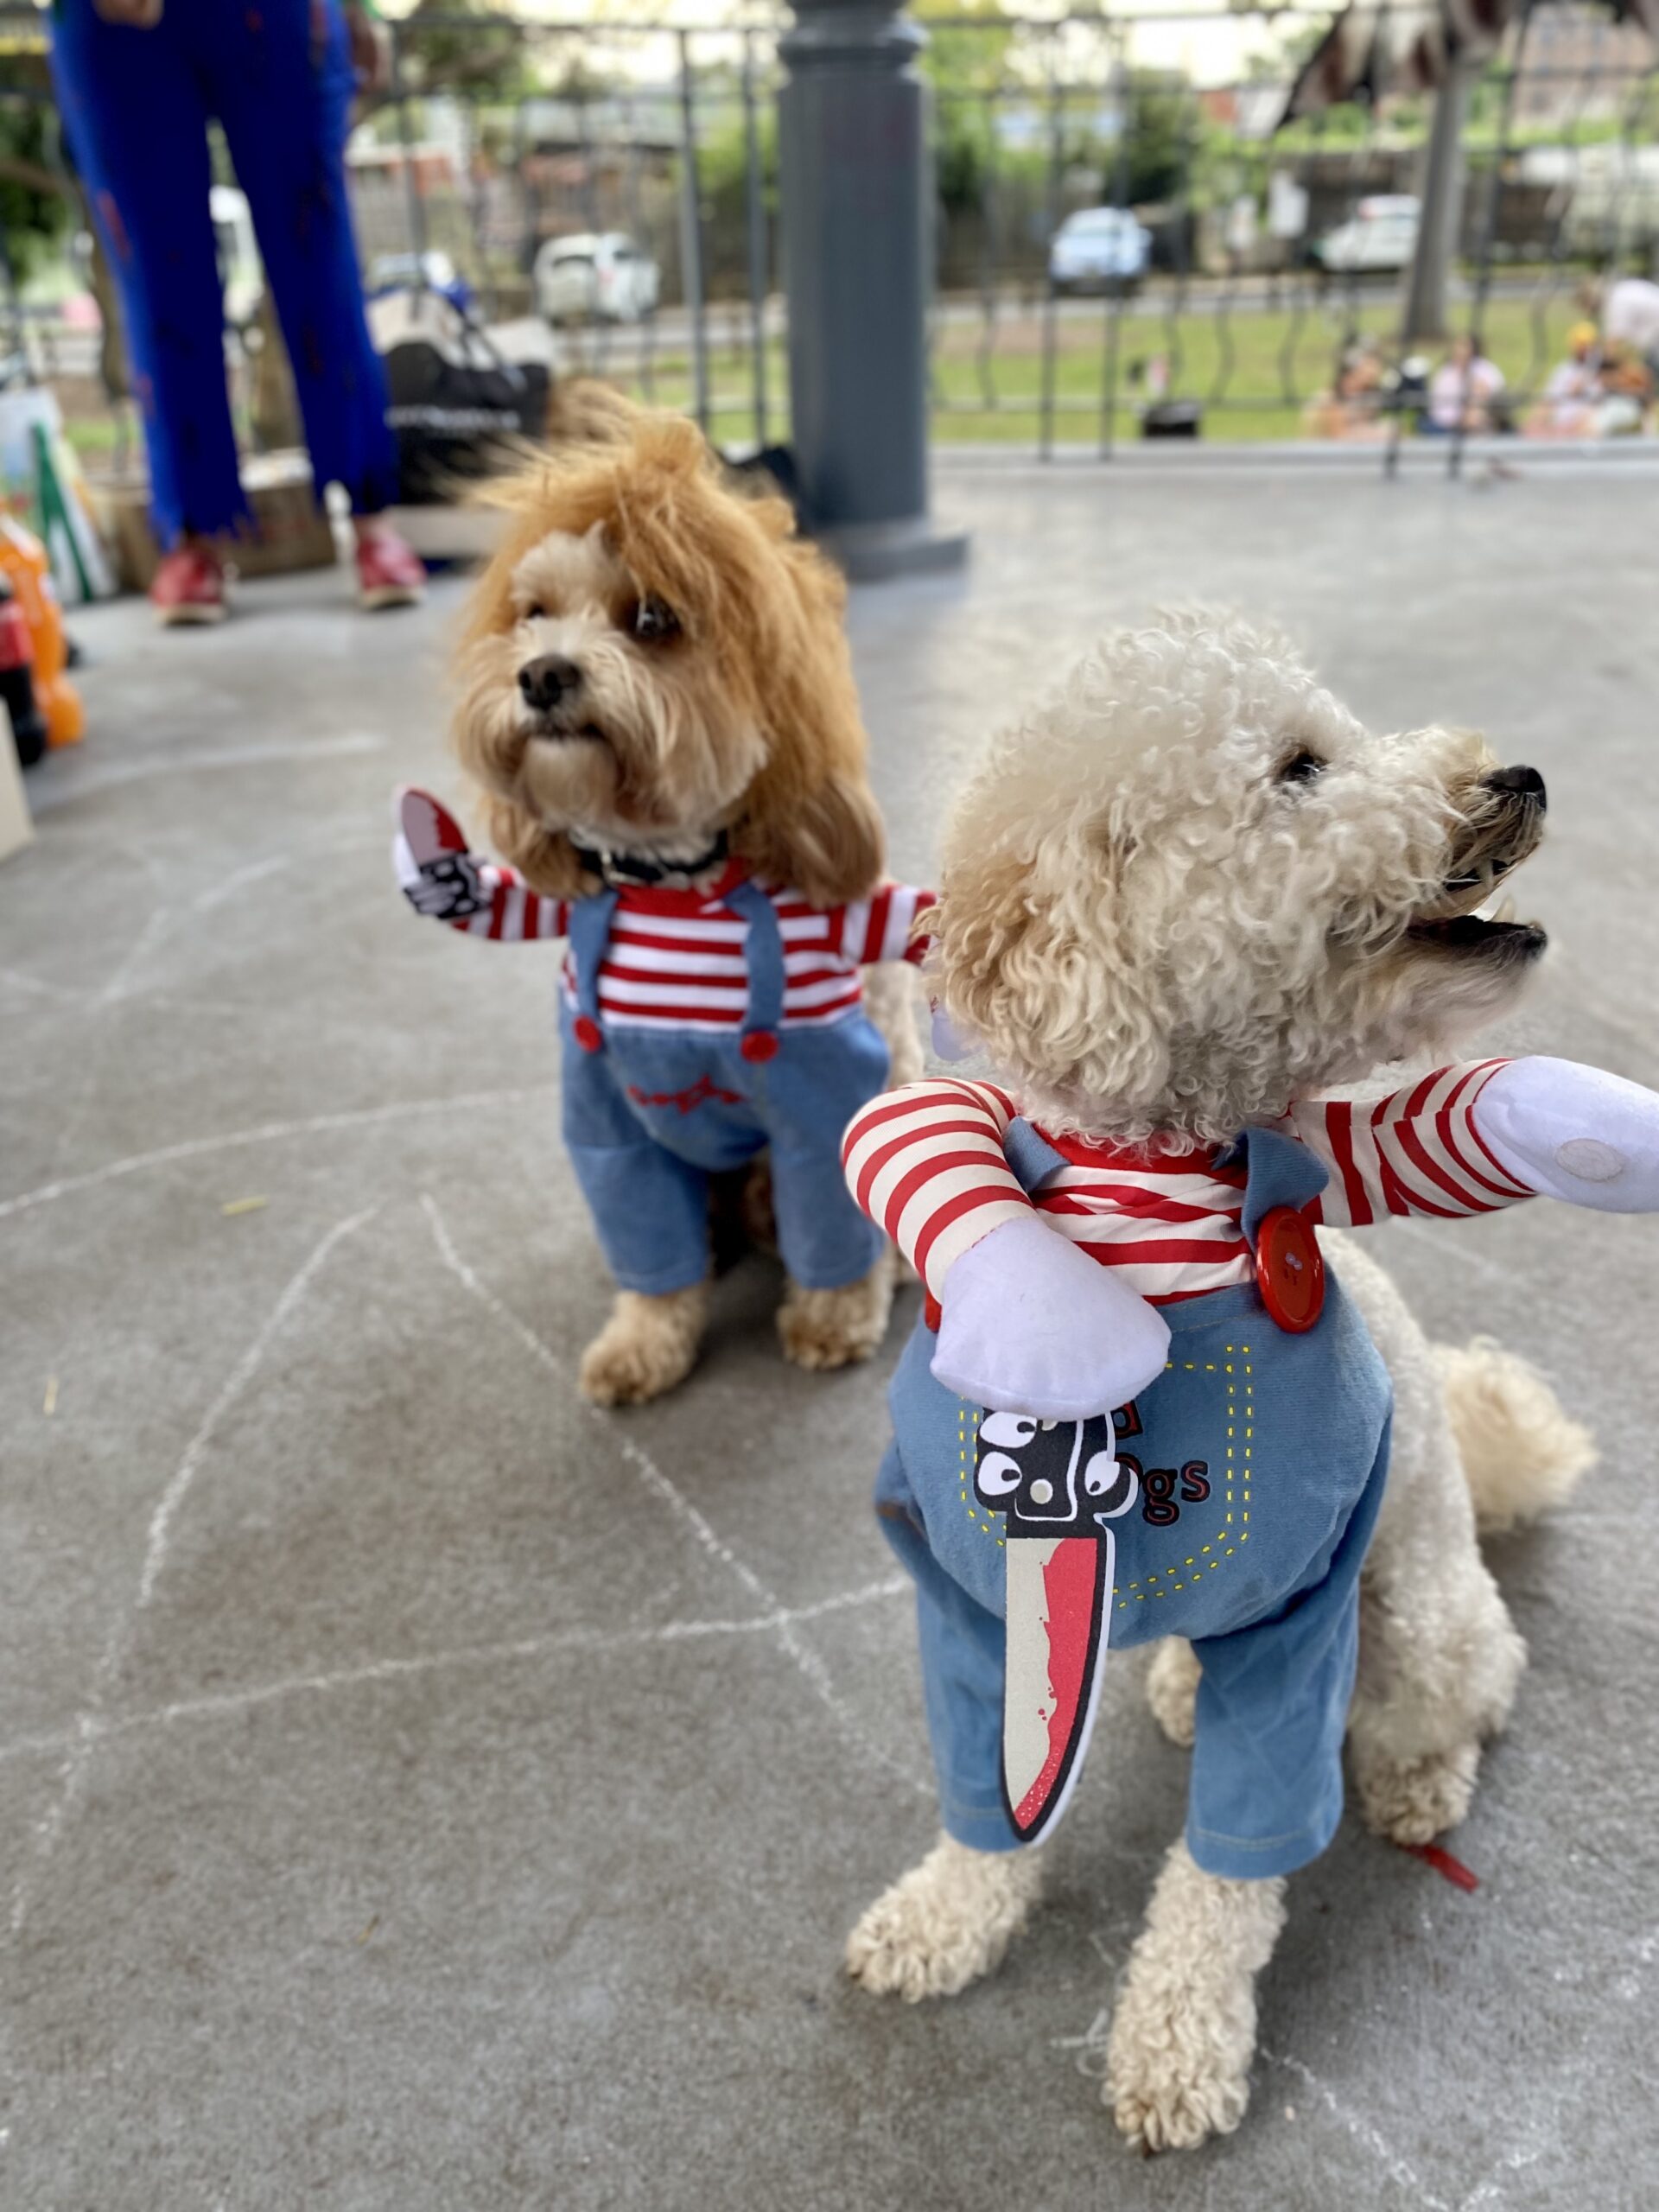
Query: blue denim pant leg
{"x": 649, "y": 1204}
{"x": 806, "y": 1096}
{"x": 1265, "y": 1790}
{"x": 963, "y": 1645}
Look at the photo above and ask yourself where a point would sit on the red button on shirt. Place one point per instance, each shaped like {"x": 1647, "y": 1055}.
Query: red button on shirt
{"x": 587, "y": 1033}
{"x": 1290, "y": 1269}
{"x": 759, "y": 1046}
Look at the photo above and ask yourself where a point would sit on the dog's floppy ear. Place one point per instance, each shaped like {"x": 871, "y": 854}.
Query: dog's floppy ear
{"x": 1031, "y": 957}
{"x": 825, "y": 841}
{"x": 810, "y": 819}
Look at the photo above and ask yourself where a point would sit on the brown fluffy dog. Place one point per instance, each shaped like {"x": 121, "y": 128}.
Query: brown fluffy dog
{"x": 702, "y": 695}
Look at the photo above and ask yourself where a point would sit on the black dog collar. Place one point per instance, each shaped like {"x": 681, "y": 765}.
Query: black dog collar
{"x": 626, "y": 870}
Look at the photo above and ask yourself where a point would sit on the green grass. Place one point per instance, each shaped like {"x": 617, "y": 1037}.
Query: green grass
{"x": 1238, "y": 365}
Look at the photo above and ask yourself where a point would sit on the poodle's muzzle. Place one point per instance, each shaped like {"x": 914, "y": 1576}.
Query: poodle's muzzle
{"x": 1502, "y": 827}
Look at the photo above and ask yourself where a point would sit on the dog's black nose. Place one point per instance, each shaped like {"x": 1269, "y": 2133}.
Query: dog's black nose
{"x": 545, "y": 680}
{"x": 1520, "y": 782}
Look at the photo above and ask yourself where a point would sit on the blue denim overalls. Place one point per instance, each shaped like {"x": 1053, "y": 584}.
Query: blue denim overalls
{"x": 1262, "y": 1457}
{"x": 650, "y": 1113}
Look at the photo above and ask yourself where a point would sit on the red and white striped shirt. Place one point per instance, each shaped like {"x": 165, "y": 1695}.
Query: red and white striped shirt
{"x": 927, "y": 1164}
{"x": 678, "y": 959}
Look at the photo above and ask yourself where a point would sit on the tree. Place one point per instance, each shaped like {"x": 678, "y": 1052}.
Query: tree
{"x": 36, "y": 200}
{"x": 1160, "y": 138}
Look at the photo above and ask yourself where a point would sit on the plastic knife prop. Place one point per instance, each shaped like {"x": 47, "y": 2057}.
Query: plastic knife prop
{"x": 440, "y": 877}
{"x": 1059, "y": 1485}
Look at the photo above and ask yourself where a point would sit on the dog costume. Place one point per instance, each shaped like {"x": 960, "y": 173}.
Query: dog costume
{"x": 1231, "y": 1496}
{"x": 698, "y": 1026}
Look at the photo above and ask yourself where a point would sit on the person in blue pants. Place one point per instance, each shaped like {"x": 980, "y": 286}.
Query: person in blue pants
{"x": 138, "y": 82}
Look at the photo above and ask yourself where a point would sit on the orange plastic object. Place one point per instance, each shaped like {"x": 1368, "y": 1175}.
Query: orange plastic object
{"x": 24, "y": 560}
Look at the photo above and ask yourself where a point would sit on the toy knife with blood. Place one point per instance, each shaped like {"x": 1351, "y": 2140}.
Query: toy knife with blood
{"x": 1059, "y": 1485}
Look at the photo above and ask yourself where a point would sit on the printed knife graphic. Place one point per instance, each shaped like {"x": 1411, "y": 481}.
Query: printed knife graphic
{"x": 1059, "y": 1485}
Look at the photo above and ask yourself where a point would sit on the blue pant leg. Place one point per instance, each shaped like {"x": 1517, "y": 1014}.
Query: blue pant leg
{"x": 963, "y": 1645}
{"x": 136, "y": 120}
{"x": 650, "y": 1209}
{"x": 1265, "y": 1790}
{"x": 820, "y": 1079}
{"x": 284, "y": 96}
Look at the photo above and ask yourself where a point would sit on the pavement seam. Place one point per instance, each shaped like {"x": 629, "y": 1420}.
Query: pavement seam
{"x": 85, "y": 1733}
{"x": 805, "y": 1661}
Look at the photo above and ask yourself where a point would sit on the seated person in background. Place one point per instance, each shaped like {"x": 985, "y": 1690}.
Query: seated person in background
{"x": 1627, "y": 382}
{"x": 1567, "y": 406}
{"x": 1627, "y": 309}
{"x": 1463, "y": 391}
{"x": 1354, "y": 409}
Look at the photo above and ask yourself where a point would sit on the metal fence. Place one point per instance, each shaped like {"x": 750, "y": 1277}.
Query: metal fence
{"x": 1257, "y": 314}
{"x": 1250, "y": 319}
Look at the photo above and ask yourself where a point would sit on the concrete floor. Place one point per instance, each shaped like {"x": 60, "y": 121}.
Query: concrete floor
{"x": 421, "y": 1793}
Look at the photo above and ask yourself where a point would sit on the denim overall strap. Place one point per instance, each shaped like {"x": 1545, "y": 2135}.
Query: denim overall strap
{"x": 1031, "y": 1159}
{"x": 590, "y": 933}
{"x": 1279, "y": 1171}
{"x": 763, "y": 1016}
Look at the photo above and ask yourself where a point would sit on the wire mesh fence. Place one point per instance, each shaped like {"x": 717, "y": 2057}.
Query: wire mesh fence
{"x": 1128, "y": 240}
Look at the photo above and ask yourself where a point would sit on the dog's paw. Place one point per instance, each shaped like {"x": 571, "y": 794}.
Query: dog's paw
{"x": 646, "y": 1347}
{"x": 1412, "y": 1800}
{"x": 945, "y": 1923}
{"x": 825, "y": 1329}
{"x": 1178, "y": 2060}
{"x": 1160, "y": 2104}
{"x": 1172, "y": 1689}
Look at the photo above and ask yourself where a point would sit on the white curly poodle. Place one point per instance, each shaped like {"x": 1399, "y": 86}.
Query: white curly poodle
{"x": 1192, "y": 897}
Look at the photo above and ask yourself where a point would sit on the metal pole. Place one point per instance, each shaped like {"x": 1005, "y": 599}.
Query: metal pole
{"x": 757, "y": 218}
{"x": 1489, "y": 234}
{"x": 1051, "y": 297}
{"x": 1424, "y": 315}
{"x": 691, "y": 234}
{"x": 855, "y": 180}
{"x": 406, "y": 144}
{"x": 1116, "y": 293}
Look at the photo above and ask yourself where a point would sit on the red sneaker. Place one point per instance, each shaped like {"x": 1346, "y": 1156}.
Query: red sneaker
{"x": 388, "y": 573}
{"x": 188, "y": 586}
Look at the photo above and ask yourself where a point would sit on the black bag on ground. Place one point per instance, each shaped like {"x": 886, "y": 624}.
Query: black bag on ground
{"x": 456, "y": 403}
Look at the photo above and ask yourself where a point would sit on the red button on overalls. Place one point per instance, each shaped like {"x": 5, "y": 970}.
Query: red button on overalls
{"x": 760, "y": 1046}
{"x": 587, "y": 1033}
{"x": 1290, "y": 1269}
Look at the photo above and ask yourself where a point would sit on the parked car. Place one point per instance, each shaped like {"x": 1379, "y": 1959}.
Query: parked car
{"x": 405, "y": 272}
{"x": 1099, "y": 250}
{"x": 1380, "y": 237}
{"x": 602, "y": 277}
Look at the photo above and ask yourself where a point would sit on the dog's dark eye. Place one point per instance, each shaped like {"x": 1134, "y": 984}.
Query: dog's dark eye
{"x": 654, "y": 619}
{"x": 1301, "y": 768}
{"x": 534, "y": 612}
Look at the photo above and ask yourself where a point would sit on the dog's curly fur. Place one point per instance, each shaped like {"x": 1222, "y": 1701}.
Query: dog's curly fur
{"x": 716, "y": 695}
{"x": 1183, "y": 891}
{"x": 1188, "y": 891}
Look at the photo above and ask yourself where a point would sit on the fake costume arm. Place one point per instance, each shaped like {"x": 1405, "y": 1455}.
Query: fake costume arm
{"x": 878, "y": 928}
{"x": 926, "y": 1165}
{"x": 1469, "y": 1139}
{"x": 1423, "y": 1150}
{"x": 443, "y": 880}
{"x": 1027, "y": 1323}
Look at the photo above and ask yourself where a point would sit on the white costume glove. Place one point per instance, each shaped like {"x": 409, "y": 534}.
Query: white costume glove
{"x": 1575, "y": 1133}
{"x": 1030, "y": 1325}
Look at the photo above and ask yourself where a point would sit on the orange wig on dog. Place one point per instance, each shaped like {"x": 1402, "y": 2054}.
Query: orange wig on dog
{"x": 705, "y": 682}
